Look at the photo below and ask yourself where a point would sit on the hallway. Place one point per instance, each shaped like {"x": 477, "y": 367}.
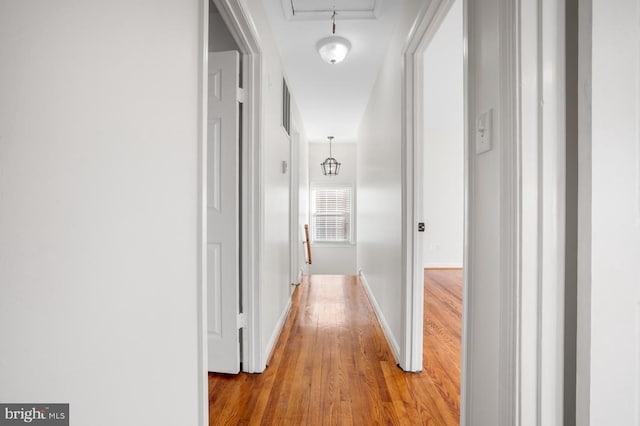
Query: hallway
{"x": 332, "y": 364}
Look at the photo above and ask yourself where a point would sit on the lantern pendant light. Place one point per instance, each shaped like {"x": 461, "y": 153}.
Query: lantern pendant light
{"x": 330, "y": 166}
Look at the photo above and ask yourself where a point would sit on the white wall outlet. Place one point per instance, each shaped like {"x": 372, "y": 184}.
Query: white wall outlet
{"x": 483, "y": 132}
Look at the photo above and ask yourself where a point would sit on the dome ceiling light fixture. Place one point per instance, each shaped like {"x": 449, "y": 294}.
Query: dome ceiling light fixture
{"x": 333, "y": 49}
{"x": 330, "y": 166}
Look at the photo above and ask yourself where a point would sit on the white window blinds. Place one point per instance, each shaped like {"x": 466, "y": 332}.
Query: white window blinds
{"x": 331, "y": 213}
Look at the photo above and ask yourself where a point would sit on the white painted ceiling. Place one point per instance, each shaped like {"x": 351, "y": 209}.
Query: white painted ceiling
{"x": 332, "y": 98}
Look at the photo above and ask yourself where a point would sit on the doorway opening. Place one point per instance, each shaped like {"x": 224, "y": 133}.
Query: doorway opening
{"x": 227, "y": 32}
{"x": 435, "y": 161}
{"x": 223, "y": 199}
{"x": 443, "y": 188}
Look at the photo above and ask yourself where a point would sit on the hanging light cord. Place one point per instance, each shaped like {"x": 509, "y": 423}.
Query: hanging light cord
{"x": 333, "y": 19}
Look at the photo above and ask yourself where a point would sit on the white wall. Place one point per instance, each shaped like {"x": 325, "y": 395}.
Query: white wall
{"x": 301, "y": 267}
{"x": 614, "y": 334}
{"x": 380, "y": 187}
{"x": 483, "y": 369}
{"x": 220, "y": 39}
{"x": 98, "y": 210}
{"x": 334, "y": 258}
{"x": 443, "y": 170}
{"x": 303, "y": 201}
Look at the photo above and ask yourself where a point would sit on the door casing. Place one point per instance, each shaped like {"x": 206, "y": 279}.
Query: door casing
{"x": 529, "y": 383}
{"x": 239, "y": 23}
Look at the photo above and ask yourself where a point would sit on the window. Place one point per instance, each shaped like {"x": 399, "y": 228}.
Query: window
{"x": 331, "y": 214}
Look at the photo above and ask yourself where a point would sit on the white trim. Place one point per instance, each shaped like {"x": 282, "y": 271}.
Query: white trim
{"x": 443, "y": 265}
{"x": 552, "y": 75}
{"x": 315, "y": 15}
{"x": 395, "y": 348}
{"x": 294, "y": 204}
{"x": 201, "y": 291}
{"x": 532, "y": 97}
{"x": 637, "y": 106}
{"x": 465, "y": 360}
{"x": 533, "y": 169}
{"x": 334, "y": 244}
{"x": 276, "y": 333}
{"x": 423, "y": 30}
{"x": 583, "y": 338}
{"x": 510, "y": 247}
{"x": 545, "y": 223}
{"x": 637, "y": 366}
{"x": 530, "y": 129}
{"x": 241, "y": 26}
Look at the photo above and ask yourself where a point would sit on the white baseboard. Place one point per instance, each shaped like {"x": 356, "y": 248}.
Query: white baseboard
{"x": 441, "y": 265}
{"x": 395, "y": 348}
{"x": 276, "y": 333}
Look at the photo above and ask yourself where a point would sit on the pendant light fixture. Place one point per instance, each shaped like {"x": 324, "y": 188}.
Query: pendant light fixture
{"x": 333, "y": 49}
{"x": 330, "y": 166}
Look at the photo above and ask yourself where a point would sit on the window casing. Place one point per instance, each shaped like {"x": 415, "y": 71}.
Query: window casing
{"x": 331, "y": 214}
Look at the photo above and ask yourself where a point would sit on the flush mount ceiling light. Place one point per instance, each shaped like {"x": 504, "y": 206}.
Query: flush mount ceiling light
{"x": 330, "y": 166}
{"x": 333, "y": 49}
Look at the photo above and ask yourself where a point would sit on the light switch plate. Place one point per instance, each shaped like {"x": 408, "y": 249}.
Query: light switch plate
{"x": 484, "y": 132}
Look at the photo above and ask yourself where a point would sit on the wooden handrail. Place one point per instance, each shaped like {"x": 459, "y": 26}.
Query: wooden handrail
{"x": 306, "y": 241}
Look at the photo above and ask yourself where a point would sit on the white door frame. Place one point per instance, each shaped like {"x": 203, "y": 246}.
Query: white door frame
{"x": 294, "y": 205}
{"x": 532, "y": 207}
{"x": 241, "y": 26}
{"x": 583, "y": 338}
{"x": 422, "y": 33}
{"x": 542, "y": 195}
{"x": 201, "y": 291}
{"x": 237, "y": 18}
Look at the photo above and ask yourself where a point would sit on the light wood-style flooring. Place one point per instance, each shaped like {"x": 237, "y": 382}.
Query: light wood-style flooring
{"x": 333, "y": 366}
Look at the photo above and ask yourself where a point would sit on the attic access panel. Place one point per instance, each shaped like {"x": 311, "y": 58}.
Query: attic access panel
{"x": 305, "y": 10}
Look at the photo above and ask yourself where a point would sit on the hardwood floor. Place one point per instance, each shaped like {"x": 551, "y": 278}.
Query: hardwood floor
{"x": 332, "y": 364}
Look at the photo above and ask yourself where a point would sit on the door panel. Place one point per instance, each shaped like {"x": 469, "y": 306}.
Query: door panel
{"x": 223, "y": 227}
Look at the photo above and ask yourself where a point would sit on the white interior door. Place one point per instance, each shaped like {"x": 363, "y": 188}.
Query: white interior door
{"x": 223, "y": 213}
